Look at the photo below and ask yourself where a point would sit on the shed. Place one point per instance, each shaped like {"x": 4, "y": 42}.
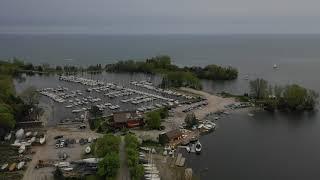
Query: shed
{"x": 170, "y": 136}
{"x": 126, "y": 119}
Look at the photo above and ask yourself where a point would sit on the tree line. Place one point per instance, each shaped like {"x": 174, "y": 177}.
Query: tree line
{"x": 290, "y": 97}
{"x": 132, "y": 150}
{"x": 13, "y": 107}
{"x": 107, "y": 148}
{"x": 174, "y": 76}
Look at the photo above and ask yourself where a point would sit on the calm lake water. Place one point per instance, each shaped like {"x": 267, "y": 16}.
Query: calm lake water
{"x": 265, "y": 146}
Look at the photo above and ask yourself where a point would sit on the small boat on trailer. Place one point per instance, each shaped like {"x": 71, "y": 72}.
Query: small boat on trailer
{"x": 7, "y": 137}
{"x": 4, "y": 166}
{"x": 42, "y": 140}
{"x": 20, "y": 165}
{"x": 22, "y": 148}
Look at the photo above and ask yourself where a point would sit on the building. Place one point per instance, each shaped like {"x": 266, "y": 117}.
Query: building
{"x": 128, "y": 119}
{"x": 169, "y": 136}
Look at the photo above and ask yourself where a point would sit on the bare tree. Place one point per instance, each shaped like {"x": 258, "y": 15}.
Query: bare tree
{"x": 259, "y": 88}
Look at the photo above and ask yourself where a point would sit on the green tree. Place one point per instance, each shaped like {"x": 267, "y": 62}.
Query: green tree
{"x": 311, "y": 100}
{"x": 190, "y": 120}
{"x": 30, "y": 96}
{"x": 59, "y": 68}
{"x": 259, "y": 88}
{"x": 153, "y": 120}
{"x": 6, "y": 86}
{"x": 295, "y": 97}
{"x": 131, "y": 141}
{"x": 109, "y": 165}
{"x": 95, "y": 112}
{"x": 278, "y": 91}
{"x": 137, "y": 172}
{"x": 108, "y": 143}
{"x": 132, "y": 155}
{"x": 4, "y": 108}
{"x": 164, "y": 112}
{"x": 7, "y": 120}
{"x": 181, "y": 79}
{"x": 57, "y": 174}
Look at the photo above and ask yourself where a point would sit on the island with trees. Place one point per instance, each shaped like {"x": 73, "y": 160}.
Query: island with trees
{"x": 291, "y": 97}
{"x": 174, "y": 76}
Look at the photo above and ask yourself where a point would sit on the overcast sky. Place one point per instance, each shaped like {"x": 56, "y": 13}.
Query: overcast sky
{"x": 160, "y": 16}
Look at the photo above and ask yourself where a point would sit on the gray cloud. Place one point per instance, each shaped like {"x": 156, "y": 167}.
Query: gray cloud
{"x": 165, "y": 16}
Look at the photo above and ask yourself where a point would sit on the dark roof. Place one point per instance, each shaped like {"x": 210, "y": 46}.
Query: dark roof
{"x": 121, "y": 117}
{"x": 174, "y": 134}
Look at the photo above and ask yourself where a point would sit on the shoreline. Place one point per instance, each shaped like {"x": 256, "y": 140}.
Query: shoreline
{"x": 215, "y": 104}
{"x": 177, "y": 118}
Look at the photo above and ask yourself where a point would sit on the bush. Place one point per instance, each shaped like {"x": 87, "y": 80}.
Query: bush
{"x": 108, "y": 143}
{"x": 190, "y": 120}
{"x": 136, "y": 170}
{"x": 7, "y": 120}
{"x": 153, "y": 120}
{"x": 164, "y": 112}
{"x": 58, "y": 175}
{"x": 107, "y": 148}
{"x": 109, "y": 165}
{"x": 181, "y": 79}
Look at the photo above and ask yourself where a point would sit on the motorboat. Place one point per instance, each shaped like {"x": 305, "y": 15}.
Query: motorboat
{"x": 200, "y": 126}
{"x": 62, "y": 164}
{"x": 20, "y": 165}
{"x": 89, "y": 160}
{"x": 152, "y": 172}
{"x": 150, "y": 168}
{"x": 28, "y": 133}
{"x": 68, "y": 169}
{"x": 165, "y": 152}
{"x": 76, "y": 110}
{"x": 20, "y": 134}
{"x": 188, "y": 149}
{"x": 42, "y": 140}
{"x": 33, "y": 139}
{"x": 151, "y": 176}
{"x": 148, "y": 165}
{"x": 4, "y": 166}
{"x": 22, "y": 148}
{"x": 8, "y": 137}
{"x": 198, "y": 147}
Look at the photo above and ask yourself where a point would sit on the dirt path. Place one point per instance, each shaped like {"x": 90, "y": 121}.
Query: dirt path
{"x": 123, "y": 173}
{"x": 41, "y": 174}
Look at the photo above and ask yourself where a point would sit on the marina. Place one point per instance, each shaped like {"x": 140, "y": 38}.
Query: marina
{"x": 70, "y": 99}
{"x": 110, "y": 97}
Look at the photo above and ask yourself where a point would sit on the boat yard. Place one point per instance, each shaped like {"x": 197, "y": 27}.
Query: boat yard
{"x": 47, "y": 157}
